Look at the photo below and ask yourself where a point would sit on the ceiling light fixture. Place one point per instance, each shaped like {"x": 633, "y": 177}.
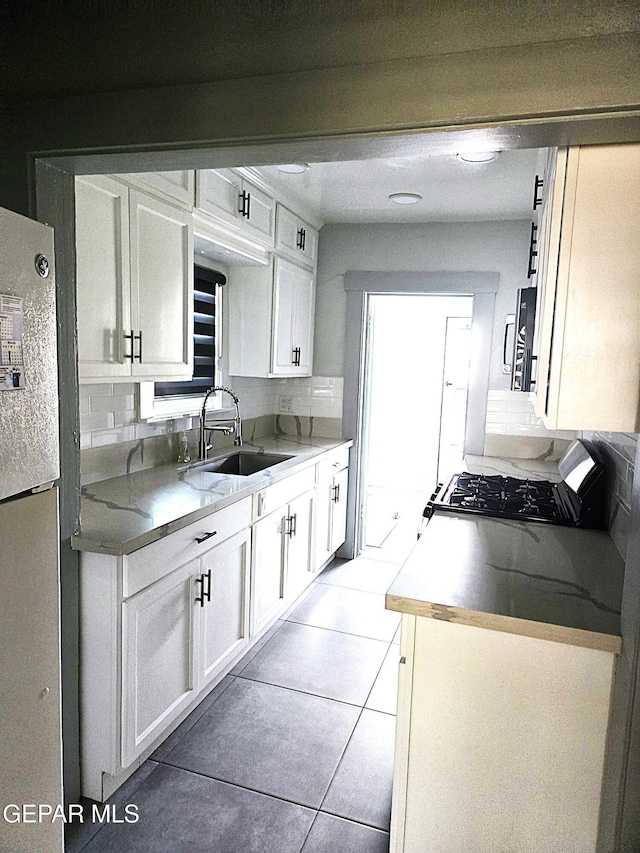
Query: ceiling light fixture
{"x": 293, "y": 168}
{"x": 405, "y": 198}
{"x": 478, "y": 156}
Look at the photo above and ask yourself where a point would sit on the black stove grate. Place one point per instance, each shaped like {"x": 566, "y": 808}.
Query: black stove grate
{"x": 508, "y": 497}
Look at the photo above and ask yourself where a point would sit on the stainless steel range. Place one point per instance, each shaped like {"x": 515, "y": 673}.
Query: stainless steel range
{"x": 578, "y": 500}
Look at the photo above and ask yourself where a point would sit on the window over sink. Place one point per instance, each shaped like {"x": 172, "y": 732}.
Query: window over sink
{"x": 184, "y": 397}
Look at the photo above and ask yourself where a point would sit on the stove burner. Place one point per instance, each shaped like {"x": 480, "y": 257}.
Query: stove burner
{"x": 502, "y": 496}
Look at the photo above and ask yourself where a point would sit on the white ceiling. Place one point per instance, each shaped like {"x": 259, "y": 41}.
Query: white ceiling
{"x": 451, "y": 190}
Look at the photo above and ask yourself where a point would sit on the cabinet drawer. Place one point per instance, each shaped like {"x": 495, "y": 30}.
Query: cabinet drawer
{"x": 269, "y": 499}
{"x": 158, "y": 559}
{"x": 336, "y": 460}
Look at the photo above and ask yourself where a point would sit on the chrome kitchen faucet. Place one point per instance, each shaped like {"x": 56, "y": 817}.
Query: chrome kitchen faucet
{"x": 227, "y": 426}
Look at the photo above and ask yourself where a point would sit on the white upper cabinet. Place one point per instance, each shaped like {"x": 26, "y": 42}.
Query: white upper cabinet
{"x": 103, "y": 275}
{"x": 293, "y": 310}
{"x": 134, "y": 256}
{"x": 178, "y": 186}
{"x": 271, "y": 320}
{"x": 161, "y": 249}
{"x": 224, "y": 195}
{"x": 589, "y": 358}
{"x": 217, "y": 193}
{"x": 295, "y": 238}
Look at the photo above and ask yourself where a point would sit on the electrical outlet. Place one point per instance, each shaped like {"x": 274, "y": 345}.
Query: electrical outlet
{"x": 286, "y": 404}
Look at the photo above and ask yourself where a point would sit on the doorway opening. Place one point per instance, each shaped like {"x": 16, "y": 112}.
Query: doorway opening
{"x": 414, "y": 410}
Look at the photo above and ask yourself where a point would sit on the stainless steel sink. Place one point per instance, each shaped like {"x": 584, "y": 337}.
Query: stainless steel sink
{"x": 242, "y": 463}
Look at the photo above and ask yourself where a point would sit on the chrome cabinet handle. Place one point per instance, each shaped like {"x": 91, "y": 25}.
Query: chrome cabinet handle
{"x": 206, "y": 536}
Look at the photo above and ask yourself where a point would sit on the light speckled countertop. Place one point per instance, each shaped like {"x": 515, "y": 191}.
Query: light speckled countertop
{"x": 125, "y": 513}
{"x": 541, "y": 580}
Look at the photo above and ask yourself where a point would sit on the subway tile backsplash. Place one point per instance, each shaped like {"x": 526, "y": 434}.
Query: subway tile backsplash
{"x": 114, "y": 442}
{"x": 512, "y": 413}
{"x": 619, "y": 453}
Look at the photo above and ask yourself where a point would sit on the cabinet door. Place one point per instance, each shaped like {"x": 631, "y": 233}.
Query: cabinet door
{"x": 293, "y": 310}
{"x": 322, "y": 532}
{"x": 295, "y": 237}
{"x": 299, "y": 542}
{"x": 259, "y": 218}
{"x": 159, "y": 675}
{"x": 591, "y": 337}
{"x": 161, "y": 288}
{"x": 338, "y": 510}
{"x": 303, "y": 321}
{"x": 224, "y": 616}
{"x": 217, "y": 193}
{"x": 267, "y": 571}
{"x": 177, "y": 185}
{"x": 102, "y": 269}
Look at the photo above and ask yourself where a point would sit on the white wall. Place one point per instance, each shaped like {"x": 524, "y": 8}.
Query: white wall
{"x": 500, "y": 247}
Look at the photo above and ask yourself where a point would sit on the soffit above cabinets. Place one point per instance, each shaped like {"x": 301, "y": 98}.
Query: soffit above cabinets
{"x": 452, "y": 190}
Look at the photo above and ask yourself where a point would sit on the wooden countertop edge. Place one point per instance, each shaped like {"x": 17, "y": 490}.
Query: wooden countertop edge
{"x": 507, "y": 624}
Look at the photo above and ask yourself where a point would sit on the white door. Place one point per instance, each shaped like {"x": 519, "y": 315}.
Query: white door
{"x": 161, "y": 248}
{"x": 322, "y": 532}
{"x": 455, "y": 387}
{"x": 267, "y": 578}
{"x": 405, "y": 353}
{"x": 30, "y": 724}
{"x": 159, "y": 675}
{"x": 103, "y": 278}
{"x": 299, "y": 543}
{"x": 224, "y": 622}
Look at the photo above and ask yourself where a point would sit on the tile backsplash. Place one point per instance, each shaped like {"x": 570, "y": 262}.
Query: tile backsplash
{"x": 619, "y": 453}
{"x": 513, "y": 430}
{"x": 113, "y": 442}
{"x": 512, "y": 413}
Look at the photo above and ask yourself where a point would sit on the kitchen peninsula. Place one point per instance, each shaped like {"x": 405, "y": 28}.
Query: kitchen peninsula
{"x": 510, "y": 632}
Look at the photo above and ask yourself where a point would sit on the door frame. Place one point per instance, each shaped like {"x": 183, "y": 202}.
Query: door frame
{"x": 359, "y": 286}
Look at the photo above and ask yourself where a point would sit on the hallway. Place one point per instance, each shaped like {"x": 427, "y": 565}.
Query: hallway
{"x": 293, "y": 751}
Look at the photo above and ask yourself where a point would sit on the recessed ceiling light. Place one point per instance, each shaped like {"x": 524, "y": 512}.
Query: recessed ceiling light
{"x": 405, "y": 198}
{"x": 293, "y": 168}
{"x": 479, "y": 156}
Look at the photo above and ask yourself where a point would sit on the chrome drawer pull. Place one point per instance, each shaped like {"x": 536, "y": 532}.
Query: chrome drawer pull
{"x": 206, "y": 536}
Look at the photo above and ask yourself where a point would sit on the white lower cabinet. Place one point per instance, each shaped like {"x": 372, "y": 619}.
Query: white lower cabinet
{"x": 298, "y": 544}
{"x": 331, "y": 512}
{"x": 160, "y": 626}
{"x": 500, "y": 741}
{"x": 224, "y": 616}
{"x": 159, "y": 678}
{"x": 282, "y": 557}
{"x": 267, "y": 569}
{"x": 177, "y": 635}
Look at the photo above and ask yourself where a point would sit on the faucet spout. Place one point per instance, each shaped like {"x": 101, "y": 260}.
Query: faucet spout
{"x": 227, "y": 428}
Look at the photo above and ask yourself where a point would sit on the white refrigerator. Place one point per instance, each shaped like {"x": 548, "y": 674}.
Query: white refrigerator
{"x": 30, "y": 707}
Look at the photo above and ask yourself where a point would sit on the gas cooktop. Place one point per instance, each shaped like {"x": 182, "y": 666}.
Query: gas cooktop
{"x": 578, "y": 500}
{"x": 508, "y": 497}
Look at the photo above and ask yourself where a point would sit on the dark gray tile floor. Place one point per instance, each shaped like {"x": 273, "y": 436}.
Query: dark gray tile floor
{"x": 292, "y": 752}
